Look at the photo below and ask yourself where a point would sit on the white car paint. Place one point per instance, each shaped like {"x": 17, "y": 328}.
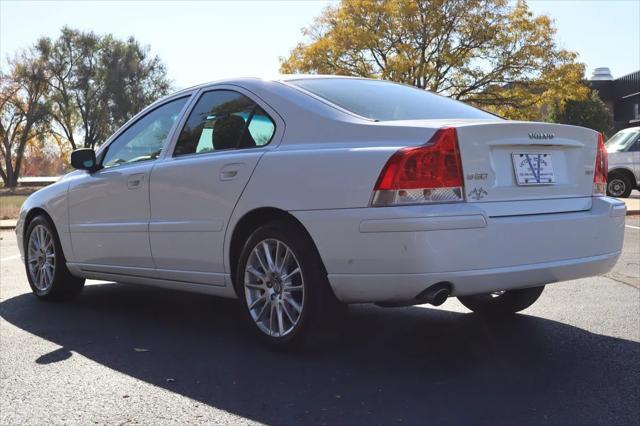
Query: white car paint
{"x": 626, "y": 159}
{"x": 174, "y": 229}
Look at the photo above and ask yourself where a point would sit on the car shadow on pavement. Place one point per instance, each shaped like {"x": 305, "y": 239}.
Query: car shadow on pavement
{"x": 387, "y": 366}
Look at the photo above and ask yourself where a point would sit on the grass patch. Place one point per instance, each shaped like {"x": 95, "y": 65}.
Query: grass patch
{"x": 11, "y": 200}
{"x": 10, "y": 205}
{"x": 19, "y": 190}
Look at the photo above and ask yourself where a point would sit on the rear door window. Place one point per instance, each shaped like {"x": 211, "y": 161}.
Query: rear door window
{"x": 223, "y": 120}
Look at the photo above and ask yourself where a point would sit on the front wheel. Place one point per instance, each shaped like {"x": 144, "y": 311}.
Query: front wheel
{"x": 502, "y": 302}
{"x": 45, "y": 264}
{"x": 281, "y": 283}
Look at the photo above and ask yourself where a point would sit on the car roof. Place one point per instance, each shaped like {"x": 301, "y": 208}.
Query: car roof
{"x": 278, "y": 77}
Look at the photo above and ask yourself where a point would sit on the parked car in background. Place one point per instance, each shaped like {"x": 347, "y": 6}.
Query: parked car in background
{"x": 624, "y": 162}
{"x": 302, "y": 194}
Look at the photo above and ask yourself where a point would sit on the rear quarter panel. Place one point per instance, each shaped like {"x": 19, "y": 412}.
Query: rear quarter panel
{"x": 339, "y": 173}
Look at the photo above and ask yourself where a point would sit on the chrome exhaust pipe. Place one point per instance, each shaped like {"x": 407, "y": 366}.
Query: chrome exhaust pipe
{"x": 436, "y": 295}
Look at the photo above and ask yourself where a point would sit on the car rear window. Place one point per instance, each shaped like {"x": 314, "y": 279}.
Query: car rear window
{"x": 383, "y": 100}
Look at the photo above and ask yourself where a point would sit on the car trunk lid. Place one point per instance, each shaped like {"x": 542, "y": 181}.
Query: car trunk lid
{"x": 521, "y": 161}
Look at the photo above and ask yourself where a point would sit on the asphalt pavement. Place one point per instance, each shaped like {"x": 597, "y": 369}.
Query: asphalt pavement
{"x": 123, "y": 354}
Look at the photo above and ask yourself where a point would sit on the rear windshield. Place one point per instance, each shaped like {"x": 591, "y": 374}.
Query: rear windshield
{"x": 383, "y": 100}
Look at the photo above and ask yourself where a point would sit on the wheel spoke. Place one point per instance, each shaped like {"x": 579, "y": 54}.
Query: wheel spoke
{"x": 253, "y": 271}
{"x": 255, "y": 286}
{"x": 275, "y": 261}
{"x": 48, "y": 275}
{"x": 271, "y": 317}
{"x": 267, "y": 255}
{"x": 40, "y": 236}
{"x": 283, "y": 264}
{"x": 264, "y": 309}
{"x": 290, "y": 274}
{"x": 47, "y": 241}
{"x": 292, "y": 287}
{"x": 258, "y": 300}
{"x": 280, "y": 324}
{"x": 294, "y": 304}
{"x": 286, "y": 312}
{"x": 256, "y": 253}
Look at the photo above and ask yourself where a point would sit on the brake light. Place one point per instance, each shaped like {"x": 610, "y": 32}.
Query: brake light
{"x": 431, "y": 173}
{"x": 601, "y": 168}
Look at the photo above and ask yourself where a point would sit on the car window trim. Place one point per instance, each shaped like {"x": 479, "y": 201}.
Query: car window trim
{"x": 102, "y": 150}
{"x": 171, "y": 148}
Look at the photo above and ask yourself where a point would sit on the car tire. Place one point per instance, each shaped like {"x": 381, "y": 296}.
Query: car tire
{"x": 619, "y": 185}
{"x": 284, "y": 307}
{"x": 45, "y": 263}
{"x": 502, "y": 303}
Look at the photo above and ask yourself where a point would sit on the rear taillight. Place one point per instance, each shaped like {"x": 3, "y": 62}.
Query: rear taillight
{"x": 600, "y": 169}
{"x": 430, "y": 173}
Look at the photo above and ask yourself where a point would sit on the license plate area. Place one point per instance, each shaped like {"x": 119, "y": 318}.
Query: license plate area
{"x": 533, "y": 168}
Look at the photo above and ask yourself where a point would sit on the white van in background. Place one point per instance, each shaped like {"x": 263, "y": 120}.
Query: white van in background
{"x": 624, "y": 162}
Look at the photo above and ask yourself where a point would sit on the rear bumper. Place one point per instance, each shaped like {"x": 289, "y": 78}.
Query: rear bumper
{"x": 355, "y": 288}
{"x": 392, "y": 254}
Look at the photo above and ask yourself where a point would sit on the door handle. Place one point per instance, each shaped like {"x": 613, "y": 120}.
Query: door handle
{"x": 228, "y": 175}
{"x": 230, "y": 171}
{"x": 135, "y": 181}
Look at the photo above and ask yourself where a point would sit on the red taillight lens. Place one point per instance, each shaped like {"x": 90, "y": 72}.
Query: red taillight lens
{"x": 423, "y": 174}
{"x": 601, "y": 168}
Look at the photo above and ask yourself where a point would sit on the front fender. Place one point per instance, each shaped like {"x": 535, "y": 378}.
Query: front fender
{"x": 52, "y": 200}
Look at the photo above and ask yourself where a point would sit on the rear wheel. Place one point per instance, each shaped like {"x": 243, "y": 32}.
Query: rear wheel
{"x": 619, "y": 185}
{"x": 282, "y": 285}
{"x": 502, "y": 302}
{"x": 45, "y": 264}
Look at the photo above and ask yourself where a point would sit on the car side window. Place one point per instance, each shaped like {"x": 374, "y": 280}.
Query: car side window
{"x": 261, "y": 128}
{"x": 223, "y": 120}
{"x": 143, "y": 140}
{"x": 636, "y": 145}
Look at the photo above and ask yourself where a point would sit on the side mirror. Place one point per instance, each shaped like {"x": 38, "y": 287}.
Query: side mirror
{"x": 83, "y": 159}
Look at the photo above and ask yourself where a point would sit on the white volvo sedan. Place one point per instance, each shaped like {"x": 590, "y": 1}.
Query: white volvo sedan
{"x": 302, "y": 194}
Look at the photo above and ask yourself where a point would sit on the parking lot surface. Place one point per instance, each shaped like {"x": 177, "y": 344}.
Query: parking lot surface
{"x": 132, "y": 354}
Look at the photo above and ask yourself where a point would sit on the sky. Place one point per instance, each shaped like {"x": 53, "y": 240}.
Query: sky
{"x": 206, "y": 40}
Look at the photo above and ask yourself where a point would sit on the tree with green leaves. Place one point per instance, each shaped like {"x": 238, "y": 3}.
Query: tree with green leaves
{"x": 24, "y": 111}
{"x": 80, "y": 87}
{"x": 492, "y": 53}
{"x": 98, "y": 82}
{"x": 591, "y": 113}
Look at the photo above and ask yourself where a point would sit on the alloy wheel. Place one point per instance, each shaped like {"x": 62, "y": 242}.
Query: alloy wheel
{"x": 274, "y": 287}
{"x": 41, "y": 258}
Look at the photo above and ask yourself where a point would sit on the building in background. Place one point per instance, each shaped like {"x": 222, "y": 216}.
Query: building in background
{"x": 622, "y": 96}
